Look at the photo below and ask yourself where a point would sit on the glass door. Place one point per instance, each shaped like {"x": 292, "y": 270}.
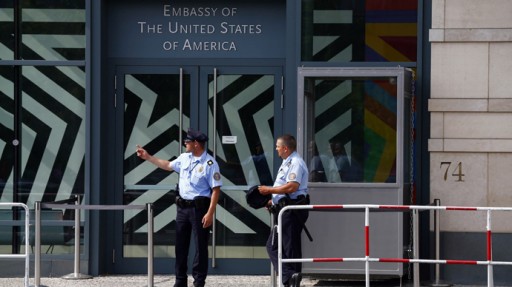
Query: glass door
{"x": 244, "y": 111}
{"x": 157, "y": 107}
{"x": 237, "y": 108}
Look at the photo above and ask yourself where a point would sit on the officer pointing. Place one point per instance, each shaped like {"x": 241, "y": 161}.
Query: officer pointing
{"x": 199, "y": 190}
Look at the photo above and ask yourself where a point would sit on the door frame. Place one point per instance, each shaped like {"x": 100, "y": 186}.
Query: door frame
{"x": 198, "y": 119}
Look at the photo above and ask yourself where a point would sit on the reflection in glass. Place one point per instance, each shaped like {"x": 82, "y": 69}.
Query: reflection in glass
{"x": 353, "y": 134}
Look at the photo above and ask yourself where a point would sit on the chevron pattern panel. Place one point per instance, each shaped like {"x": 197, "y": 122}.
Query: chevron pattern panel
{"x": 151, "y": 119}
{"x": 359, "y": 31}
{"x": 245, "y": 109}
{"x": 391, "y": 30}
{"x": 52, "y": 114}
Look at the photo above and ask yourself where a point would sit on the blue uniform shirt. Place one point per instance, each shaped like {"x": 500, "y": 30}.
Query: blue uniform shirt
{"x": 198, "y": 175}
{"x": 293, "y": 168}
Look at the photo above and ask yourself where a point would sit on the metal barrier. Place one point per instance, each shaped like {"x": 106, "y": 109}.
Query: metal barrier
{"x": 397, "y": 208}
{"x": 76, "y": 206}
{"x": 27, "y": 246}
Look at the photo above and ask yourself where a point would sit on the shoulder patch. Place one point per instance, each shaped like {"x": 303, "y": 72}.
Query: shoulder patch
{"x": 216, "y": 176}
{"x": 210, "y": 162}
{"x": 292, "y": 176}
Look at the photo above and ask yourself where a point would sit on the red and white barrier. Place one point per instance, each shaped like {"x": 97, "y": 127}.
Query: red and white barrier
{"x": 398, "y": 208}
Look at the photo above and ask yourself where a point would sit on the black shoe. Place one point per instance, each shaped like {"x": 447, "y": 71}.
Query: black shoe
{"x": 295, "y": 280}
{"x": 198, "y": 284}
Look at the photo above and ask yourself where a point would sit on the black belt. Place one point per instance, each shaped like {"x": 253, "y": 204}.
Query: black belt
{"x": 201, "y": 202}
{"x": 301, "y": 200}
{"x": 185, "y": 203}
{"x": 285, "y": 201}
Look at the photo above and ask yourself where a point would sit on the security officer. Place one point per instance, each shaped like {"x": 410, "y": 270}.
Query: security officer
{"x": 290, "y": 187}
{"x": 199, "y": 190}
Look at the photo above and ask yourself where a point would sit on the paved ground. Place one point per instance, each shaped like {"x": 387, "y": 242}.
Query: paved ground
{"x": 212, "y": 281}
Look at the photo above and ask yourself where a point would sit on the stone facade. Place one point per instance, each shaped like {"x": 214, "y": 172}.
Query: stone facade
{"x": 470, "y": 109}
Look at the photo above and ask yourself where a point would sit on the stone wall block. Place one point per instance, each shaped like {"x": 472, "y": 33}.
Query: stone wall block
{"x": 459, "y": 70}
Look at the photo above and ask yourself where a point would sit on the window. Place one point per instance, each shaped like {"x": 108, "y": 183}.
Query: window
{"x": 359, "y": 31}
{"x": 42, "y": 107}
{"x": 355, "y": 121}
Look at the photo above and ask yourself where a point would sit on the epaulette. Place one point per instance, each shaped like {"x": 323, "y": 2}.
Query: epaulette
{"x": 210, "y": 162}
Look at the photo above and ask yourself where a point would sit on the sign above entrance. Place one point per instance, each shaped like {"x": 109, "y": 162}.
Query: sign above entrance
{"x": 191, "y": 29}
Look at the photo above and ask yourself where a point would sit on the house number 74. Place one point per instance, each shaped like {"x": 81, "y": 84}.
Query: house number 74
{"x": 456, "y": 171}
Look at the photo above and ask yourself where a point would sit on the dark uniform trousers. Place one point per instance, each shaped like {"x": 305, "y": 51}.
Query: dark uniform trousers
{"x": 188, "y": 220}
{"x": 292, "y": 226}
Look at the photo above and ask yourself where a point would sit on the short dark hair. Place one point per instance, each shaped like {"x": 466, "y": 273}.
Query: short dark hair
{"x": 289, "y": 141}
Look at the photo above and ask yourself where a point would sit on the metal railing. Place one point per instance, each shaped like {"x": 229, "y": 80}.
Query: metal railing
{"x": 396, "y": 208}
{"x": 76, "y": 206}
{"x": 26, "y": 255}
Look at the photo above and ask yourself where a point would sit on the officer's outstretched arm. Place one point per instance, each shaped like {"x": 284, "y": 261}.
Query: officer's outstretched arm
{"x": 161, "y": 163}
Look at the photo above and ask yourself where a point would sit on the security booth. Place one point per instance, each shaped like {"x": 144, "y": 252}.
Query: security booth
{"x": 355, "y": 134}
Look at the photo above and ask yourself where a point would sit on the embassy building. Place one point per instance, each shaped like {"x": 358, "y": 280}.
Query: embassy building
{"x": 392, "y": 102}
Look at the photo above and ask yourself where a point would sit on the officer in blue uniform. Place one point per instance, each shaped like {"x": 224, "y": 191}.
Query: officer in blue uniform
{"x": 290, "y": 187}
{"x": 199, "y": 190}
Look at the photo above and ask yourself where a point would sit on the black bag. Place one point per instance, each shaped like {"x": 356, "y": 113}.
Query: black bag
{"x": 255, "y": 199}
